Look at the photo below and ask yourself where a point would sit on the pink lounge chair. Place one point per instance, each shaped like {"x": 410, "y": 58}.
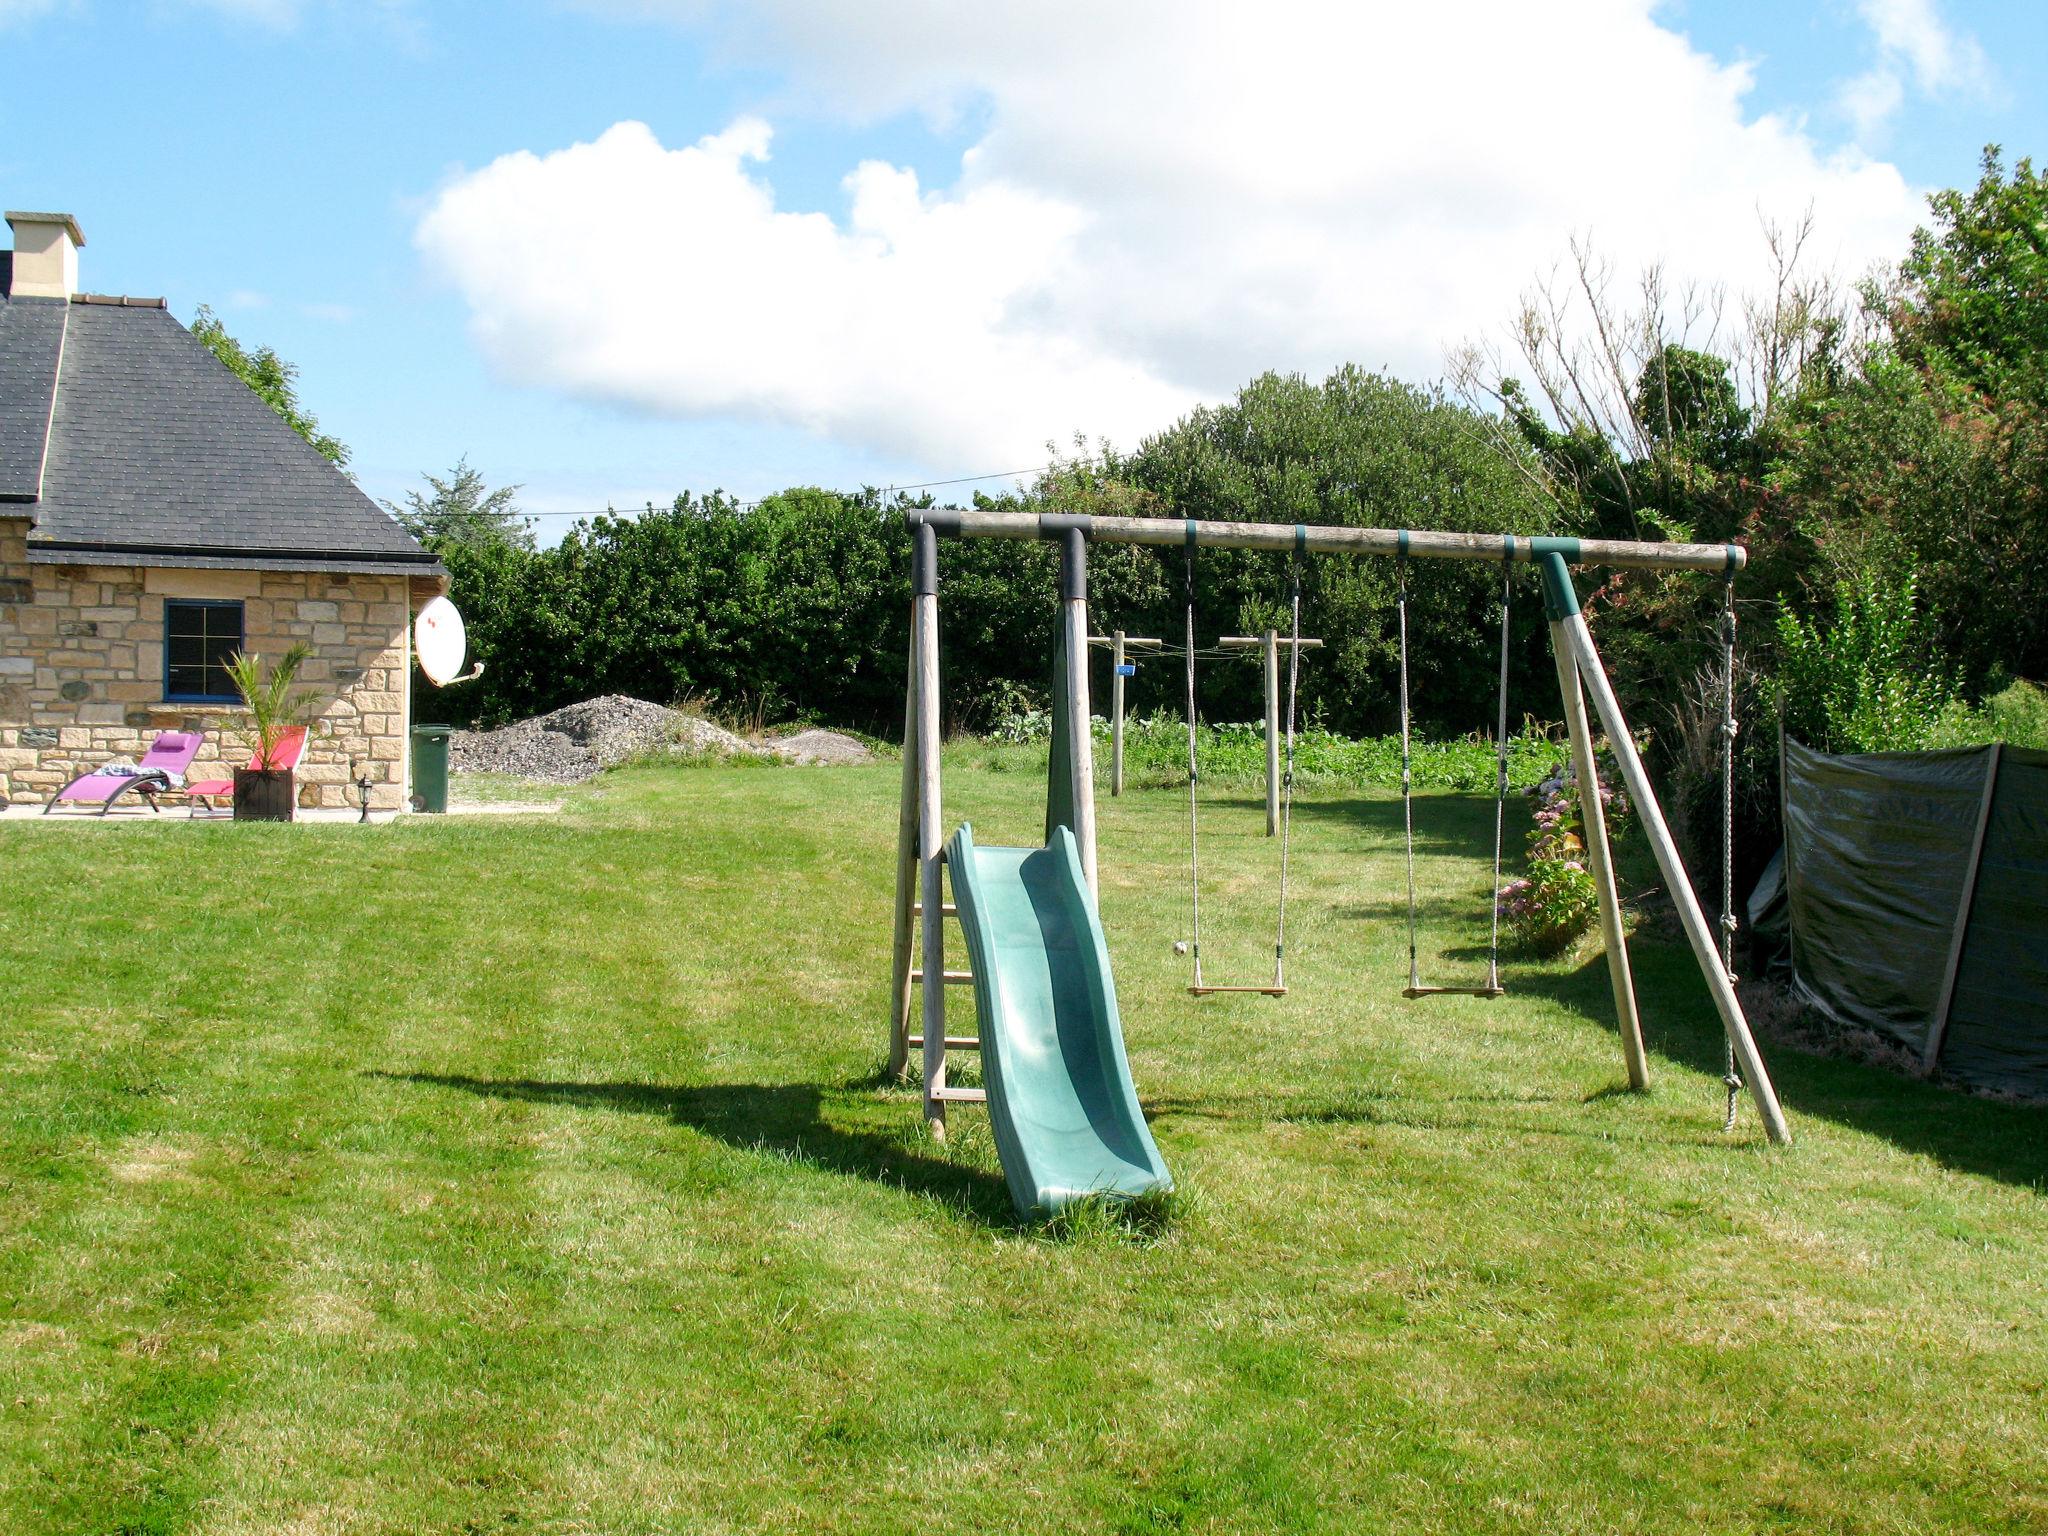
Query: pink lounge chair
{"x": 291, "y": 746}
{"x": 162, "y": 765}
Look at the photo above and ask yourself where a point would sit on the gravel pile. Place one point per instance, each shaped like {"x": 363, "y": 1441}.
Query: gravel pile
{"x": 819, "y": 747}
{"x": 578, "y": 740}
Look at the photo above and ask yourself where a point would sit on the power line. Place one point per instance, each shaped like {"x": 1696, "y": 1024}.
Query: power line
{"x": 919, "y": 485}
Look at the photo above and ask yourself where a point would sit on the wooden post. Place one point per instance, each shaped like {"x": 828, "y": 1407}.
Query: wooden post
{"x": 1120, "y": 645}
{"x": 931, "y": 834}
{"x": 1116, "y": 713}
{"x": 1268, "y": 646}
{"x": 1080, "y": 727}
{"x": 1271, "y": 648}
{"x": 1562, "y": 603}
{"x": 1594, "y": 818}
{"x": 1931, "y": 1056}
{"x": 907, "y": 848}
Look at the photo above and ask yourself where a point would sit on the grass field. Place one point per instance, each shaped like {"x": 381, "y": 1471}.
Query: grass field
{"x": 531, "y": 1175}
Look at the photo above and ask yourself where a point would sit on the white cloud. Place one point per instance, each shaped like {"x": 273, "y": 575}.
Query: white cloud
{"x": 21, "y": 11}
{"x": 1167, "y": 199}
{"x": 1912, "y": 41}
{"x": 1913, "y": 32}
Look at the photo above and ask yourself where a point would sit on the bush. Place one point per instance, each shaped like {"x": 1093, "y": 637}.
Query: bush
{"x": 1557, "y": 900}
{"x": 1868, "y": 679}
{"x": 1156, "y": 752}
{"x": 2018, "y": 715}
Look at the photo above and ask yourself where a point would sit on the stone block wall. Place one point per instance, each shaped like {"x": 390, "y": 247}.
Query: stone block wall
{"x": 82, "y": 670}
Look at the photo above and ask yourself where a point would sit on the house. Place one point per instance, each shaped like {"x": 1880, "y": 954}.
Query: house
{"x": 157, "y": 516}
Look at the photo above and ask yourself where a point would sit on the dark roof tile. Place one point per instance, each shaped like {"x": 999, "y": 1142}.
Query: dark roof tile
{"x": 31, "y": 337}
{"x": 154, "y": 445}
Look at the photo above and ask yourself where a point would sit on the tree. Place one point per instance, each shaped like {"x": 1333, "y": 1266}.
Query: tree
{"x": 1929, "y": 453}
{"x": 1972, "y": 302}
{"x": 462, "y": 510}
{"x": 271, "y": 377}
{"x": 1689, "y": 408}
{"x": 1369, "y": 451}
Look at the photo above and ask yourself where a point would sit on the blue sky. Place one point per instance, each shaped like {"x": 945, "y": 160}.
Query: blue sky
{"x": 1069, "y": 222}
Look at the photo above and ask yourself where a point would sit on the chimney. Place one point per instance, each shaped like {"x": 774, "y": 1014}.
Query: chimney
{"x": 45, "y": 255}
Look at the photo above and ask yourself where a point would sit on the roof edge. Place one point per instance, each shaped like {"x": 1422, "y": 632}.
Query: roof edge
{"x": 83, "y": 552}
{"x": 30, "y": 216}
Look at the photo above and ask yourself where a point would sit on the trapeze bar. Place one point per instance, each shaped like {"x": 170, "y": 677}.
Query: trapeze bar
{"x": 974, "y": 523}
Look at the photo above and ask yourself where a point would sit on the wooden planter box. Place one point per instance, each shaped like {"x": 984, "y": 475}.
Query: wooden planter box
{"x": 263, "y": 794}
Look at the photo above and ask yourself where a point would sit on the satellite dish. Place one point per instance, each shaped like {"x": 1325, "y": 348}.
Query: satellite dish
{"x": 440, "y": 641}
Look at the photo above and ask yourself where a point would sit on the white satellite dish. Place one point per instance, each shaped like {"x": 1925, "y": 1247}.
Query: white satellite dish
{"x": 440, "y": 642}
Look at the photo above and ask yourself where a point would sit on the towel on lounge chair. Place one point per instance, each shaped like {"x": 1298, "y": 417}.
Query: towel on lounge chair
{"x": 162, "y": 768}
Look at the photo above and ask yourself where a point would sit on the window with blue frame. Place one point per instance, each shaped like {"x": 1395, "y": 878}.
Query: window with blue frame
{"x": 199, "y": 639}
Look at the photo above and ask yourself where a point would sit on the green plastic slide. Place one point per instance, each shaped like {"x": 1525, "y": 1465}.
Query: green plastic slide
{"x": 1066, "y": 1118}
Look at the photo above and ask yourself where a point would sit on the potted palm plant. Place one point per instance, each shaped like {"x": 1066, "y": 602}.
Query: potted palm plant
{"x": 276, "y": 708}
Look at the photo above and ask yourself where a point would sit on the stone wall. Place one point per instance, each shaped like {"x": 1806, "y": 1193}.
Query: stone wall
{"x": 82, "y": 670}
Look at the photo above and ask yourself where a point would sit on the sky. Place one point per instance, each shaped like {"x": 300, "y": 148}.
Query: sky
{"x": 611, "y": 250}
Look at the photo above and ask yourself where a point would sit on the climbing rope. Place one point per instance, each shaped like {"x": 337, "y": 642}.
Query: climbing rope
{"x": 1731, "y": 1076}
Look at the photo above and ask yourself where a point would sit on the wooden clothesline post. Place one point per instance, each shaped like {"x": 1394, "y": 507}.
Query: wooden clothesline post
{"x": 1118, "y": 643}
{"x": 1269, "y": 644}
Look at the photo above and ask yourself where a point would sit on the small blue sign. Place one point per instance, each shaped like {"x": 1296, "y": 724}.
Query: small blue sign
{"x": 1127, "y": 669}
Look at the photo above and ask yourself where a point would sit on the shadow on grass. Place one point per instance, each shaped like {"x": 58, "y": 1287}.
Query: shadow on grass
{"x": 1445, "y": 822}
{"x": 786, "y": 1118}
{"x": 1449, "y": 1112}
{"x": 1998, "y": 1140}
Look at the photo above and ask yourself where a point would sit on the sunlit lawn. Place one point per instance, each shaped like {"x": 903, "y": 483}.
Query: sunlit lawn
{"x": 529, "y": 1174}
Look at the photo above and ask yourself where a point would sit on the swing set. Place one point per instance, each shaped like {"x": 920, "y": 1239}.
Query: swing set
{"x": 1280, "y": 785}
{"x": 1062, "y": 1107}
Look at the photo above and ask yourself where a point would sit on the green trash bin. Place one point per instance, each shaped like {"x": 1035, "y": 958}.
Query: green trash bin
{"x": 430, "y": 768}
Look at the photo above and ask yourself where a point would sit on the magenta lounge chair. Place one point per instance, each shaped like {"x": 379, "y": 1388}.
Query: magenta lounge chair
{"x": 291, "y": 746}
{"x": 170, "y": 754}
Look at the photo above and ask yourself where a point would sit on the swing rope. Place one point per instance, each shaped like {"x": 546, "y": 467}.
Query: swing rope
{"x": 1500, "y": 790}
{"x": 1287, "y": 778}
{"x": 1731, "y": 1075}
{"x": 1189, "y": 650}
{"x": 1492, "y": 988}
{"x": 1194, "y": 846}
{"x": 1407, "y": 776}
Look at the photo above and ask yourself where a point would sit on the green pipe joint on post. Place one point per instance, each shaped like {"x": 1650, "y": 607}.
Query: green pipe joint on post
{"x": 1560, "y": 597}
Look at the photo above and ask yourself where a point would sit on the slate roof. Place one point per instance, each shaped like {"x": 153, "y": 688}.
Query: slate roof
{"x": 31, "y": 332}
{"x": 156, "y": 450}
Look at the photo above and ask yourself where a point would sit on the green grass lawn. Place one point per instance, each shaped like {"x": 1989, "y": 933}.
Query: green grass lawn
{"x": 530, "y": 1175}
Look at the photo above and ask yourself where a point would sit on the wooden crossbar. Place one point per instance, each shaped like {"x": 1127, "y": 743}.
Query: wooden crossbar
{"x": 950, "y": 978}
{"x": 1325, "y": 539}
{"x": 960, "y": 1095}
{"x": 953, "y": 1042}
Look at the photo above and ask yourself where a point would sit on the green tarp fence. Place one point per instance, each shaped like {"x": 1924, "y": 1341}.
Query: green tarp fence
{"x": 1915, "y": 890}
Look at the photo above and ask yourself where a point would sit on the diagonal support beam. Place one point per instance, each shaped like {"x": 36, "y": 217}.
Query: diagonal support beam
{"x": 1562, "y": 603}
